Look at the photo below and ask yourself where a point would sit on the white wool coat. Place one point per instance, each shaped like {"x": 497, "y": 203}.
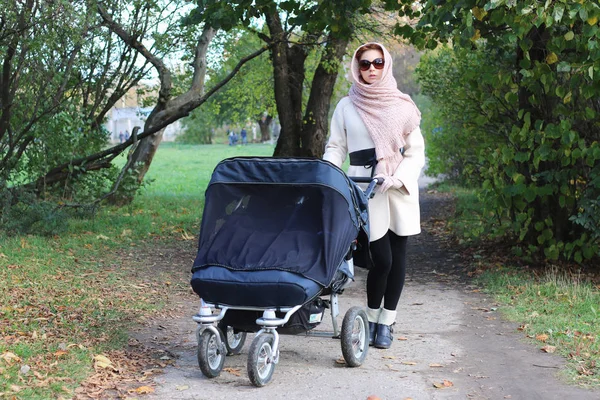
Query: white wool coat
{"x": 397, "y": 209}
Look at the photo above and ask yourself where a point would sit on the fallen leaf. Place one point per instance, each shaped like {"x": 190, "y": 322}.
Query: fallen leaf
{"x": 233, "y": 371}
{"x": 340, "y": 361}
{"x": 542, "y": 337}
{"x": 187, "y": 236}
{"x": 60, "y": 353}
{"x": 9, "y": 357}
{"x": 549, "y": 349}
{"x": 389, "y": 357}
{"x": 182, "y": 387}
{"x": 444, "y": 384}
{"x": 434, "y": 365}
{"x": 103, "y": 362}
{"x": 373, "y": 397}
{"x": 102, "y": 237}
{"x": 15, "y": 388}
{"x": 143, "y": 390}
{"x": 402, "y": 338}
{"x": 391, "y": 367}
{"x": 409, "y": 363}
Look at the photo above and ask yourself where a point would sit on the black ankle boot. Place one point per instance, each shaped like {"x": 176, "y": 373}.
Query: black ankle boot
{"x": 383, "y": 337}
{"x": 372, "y": 332}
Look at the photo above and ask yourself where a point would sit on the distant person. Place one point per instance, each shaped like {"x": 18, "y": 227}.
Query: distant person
{"x": 127, "y": 135}
{"x": 378, "y": 126}
{"x": 121, "y": 137}
{"x": 244, "y": 136}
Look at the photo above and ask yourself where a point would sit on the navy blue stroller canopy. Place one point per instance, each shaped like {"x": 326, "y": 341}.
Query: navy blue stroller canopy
{"x": 294, "y": 215}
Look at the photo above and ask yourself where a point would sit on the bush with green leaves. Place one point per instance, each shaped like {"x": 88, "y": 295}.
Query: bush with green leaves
{"x": 523, "y": 79}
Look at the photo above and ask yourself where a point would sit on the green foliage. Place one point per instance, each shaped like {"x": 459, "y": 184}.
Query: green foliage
{"x": 245, "y": 98}
{"x": 307, "y": 15}
{"x": 30, "y": 215}
{"x": 462, "y": 80}
{"x": 63, "y": 72}
{"x": 522, "y": 78}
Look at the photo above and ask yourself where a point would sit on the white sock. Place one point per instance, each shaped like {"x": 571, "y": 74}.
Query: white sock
{"x": 387, "y": 317}
{"x": 373, "y": 314}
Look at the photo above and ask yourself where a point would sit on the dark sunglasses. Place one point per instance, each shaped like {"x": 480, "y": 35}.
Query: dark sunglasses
{"x": 364, "y": 65}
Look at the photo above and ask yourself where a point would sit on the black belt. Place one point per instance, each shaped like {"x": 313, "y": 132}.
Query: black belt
{"x": 364, "y": 158}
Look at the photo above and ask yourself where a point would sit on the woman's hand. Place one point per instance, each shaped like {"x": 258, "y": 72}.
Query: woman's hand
{"x": 389, "y": 182}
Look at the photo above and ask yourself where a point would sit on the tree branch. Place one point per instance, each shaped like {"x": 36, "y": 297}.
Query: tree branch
{"x": 164, "y": 118}
{"x": 163, "y": 72}
{"x": 199, "y": 64}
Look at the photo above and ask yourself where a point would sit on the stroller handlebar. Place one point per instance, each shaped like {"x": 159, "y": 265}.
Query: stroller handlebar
{"x": 370, "y": 191}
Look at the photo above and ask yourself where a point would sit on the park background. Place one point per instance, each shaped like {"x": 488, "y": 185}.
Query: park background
{"x": 508, "y": 92}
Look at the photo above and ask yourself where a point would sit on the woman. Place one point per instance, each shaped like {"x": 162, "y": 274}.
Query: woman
{"x": 378, "y": 126}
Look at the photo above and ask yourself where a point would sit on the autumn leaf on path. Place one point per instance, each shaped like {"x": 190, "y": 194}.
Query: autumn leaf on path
{"x": 103, "y": 362}
{"x": 409, "y": 363}
{"x": 143, "y": 390}
{"x": 233, "y": 371}
{"x": 548, "y": 349}
{"x": 435, "y": 365}
{"x": 443, "y": 384}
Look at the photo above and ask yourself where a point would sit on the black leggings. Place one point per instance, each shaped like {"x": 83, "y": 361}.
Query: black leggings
{"x": 386, "y": 278}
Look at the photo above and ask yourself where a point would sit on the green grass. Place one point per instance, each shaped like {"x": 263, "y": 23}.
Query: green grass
{"x": 67, "y": 298}
{"x": 557, "y": 311}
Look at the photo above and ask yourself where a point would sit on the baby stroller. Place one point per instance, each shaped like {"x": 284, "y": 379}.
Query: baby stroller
{"x": 276, "y": 239}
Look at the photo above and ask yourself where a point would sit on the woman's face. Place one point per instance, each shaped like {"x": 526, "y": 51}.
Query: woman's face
{"x": 372, "y": 74}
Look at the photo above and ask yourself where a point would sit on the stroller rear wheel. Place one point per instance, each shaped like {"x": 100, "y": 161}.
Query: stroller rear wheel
{"x": 355, "y": 336}
{"x": 211, "y": 353}
{"x": 261, "y": 360}
{"x": 234, "y": 342}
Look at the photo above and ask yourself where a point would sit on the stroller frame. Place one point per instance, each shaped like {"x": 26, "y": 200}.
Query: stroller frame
{"x": 216, "y": 339}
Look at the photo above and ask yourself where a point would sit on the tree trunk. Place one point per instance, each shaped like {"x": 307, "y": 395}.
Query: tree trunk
{"x": 264, "y": 123}
{"x": 288, "y": 74}
{"x": 316, "y": 118}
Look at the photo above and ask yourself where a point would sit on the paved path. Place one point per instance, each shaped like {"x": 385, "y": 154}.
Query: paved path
{"x": 448, "y": 332}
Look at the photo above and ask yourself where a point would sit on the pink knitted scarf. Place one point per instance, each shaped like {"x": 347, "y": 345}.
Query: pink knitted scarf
{"x": 388, "y": 114}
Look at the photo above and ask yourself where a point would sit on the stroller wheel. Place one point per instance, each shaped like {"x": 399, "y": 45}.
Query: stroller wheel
{"x": 355, "y": 336}
{"x": 260, "y": 360}
{"x": 234, "y": 342}
{"x": 211, "y": 354}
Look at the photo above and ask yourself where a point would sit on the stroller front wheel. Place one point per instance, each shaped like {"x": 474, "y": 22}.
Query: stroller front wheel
{"x": 211, "y": 354}
{"x": 355, "y": 336}
{"x": 234, "y": 342}
{"x": 261, "y": 360}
